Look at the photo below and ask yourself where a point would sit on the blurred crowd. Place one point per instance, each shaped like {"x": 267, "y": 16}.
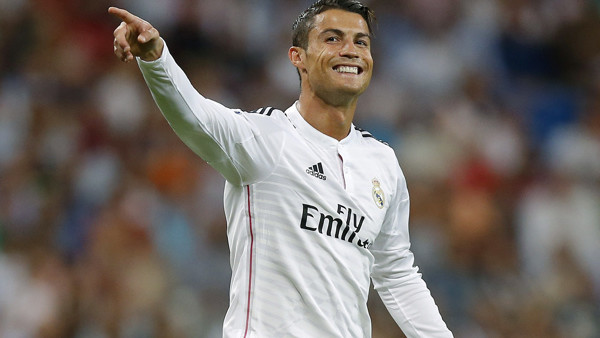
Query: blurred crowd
{"x": 111, "y": 227}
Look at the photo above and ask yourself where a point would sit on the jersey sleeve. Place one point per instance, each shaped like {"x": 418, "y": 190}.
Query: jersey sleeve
{"x": 242, "y": 149}
{"x": 397, "y": 280}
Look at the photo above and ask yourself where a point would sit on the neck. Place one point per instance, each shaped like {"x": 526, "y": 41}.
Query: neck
{"x": 333, "y": 120}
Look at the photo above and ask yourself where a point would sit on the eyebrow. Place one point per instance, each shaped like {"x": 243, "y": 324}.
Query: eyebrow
{"x": 341, "y": 33}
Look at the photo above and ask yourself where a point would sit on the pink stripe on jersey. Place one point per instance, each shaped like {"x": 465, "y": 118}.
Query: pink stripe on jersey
{"x": 251, "y": 254}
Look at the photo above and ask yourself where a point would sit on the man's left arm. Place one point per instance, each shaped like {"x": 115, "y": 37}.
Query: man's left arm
{"x": 397, "y": 280}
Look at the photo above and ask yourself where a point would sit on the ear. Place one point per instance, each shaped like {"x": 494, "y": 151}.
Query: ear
{"x": 296, "y": 55}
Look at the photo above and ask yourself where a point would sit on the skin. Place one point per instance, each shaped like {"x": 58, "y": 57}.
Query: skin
{"x": 135, "y": 37}
{"x": 327, "y": 98}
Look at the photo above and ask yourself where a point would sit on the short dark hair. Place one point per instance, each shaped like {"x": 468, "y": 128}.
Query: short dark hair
{"x": 304, "y": 22}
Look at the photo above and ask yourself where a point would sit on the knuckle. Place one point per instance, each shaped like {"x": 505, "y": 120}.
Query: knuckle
{"x": 119, "y": 28}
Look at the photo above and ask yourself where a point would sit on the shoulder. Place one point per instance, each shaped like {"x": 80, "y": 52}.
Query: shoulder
{"x": 381, "y": 153}
{"x": 372, "y": 141}
{"x": 263, "y": 111}
{"x": 268, "y": 118}
{"x": 376, "y": 148}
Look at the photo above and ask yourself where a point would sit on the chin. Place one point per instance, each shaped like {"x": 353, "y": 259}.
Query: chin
{"x": 356, "y": 88}
{"x": 341, "y": 97}
{"x": 353, "y": 91}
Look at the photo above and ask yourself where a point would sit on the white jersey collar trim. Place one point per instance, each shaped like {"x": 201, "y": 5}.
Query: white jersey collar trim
{"x": 311, "y": 132}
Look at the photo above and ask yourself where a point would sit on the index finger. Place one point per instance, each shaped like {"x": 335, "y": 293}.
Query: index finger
{"x": 122, "y": 14}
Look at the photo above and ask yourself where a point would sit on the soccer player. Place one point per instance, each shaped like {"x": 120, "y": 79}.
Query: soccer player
{"x": 316, "y": 207}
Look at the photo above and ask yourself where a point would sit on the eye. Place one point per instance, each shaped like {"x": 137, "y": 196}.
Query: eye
{"x": 362, "y": 43}
{"x": 332, "y": 39}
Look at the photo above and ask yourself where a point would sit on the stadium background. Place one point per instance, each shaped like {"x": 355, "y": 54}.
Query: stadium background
{"x": 110, "y": 227}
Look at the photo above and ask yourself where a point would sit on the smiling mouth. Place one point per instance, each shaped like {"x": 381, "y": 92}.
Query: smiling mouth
{"x": 348, "y": 69}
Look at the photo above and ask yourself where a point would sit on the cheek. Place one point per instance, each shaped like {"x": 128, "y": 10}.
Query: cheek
{"x": 319, "y": 52}
{"x": 369, "y": 58}
{"x": 322, "y": 57}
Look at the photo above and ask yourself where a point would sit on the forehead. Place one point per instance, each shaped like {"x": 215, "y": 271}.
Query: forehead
{"x": 345, "y": 21}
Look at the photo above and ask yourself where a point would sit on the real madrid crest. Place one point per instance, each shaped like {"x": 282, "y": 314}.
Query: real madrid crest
{"x": 377, "y": 192}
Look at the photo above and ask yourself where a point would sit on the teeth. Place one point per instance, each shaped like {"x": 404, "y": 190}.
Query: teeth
{"x": 347, "y": 69}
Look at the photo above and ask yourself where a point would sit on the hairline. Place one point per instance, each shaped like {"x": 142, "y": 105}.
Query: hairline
{"x": 368, "y": 16}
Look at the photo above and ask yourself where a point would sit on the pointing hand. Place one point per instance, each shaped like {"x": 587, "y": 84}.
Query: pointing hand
{"x": 135, "y": 37}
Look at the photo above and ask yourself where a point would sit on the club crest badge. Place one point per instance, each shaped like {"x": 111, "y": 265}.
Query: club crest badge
{"x": 378, "y": 195}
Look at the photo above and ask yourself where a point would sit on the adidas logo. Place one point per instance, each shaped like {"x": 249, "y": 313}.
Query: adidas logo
{"x": 317, "y": 171}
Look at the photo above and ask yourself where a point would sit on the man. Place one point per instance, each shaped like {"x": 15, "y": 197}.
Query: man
{"x": 315, "y": 206}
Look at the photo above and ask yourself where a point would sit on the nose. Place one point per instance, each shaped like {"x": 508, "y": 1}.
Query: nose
{"x": 349, "y": 49}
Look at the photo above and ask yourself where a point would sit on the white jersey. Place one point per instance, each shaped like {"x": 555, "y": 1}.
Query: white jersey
{"x": 311, "y": 220}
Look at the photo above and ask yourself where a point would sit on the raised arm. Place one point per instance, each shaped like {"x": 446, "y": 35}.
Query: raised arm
{"x": 135, "y": 37}
{"x": 242, "y": 149}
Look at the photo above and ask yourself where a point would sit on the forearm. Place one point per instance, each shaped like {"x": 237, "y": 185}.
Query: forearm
{"x": 240, "y": 149}
{"x": 194, "y": 118}
{"x": 410, "y": 303}
{"x": 404, "y": 292}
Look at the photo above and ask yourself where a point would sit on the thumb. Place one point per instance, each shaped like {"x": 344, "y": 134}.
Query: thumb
{"x": 148, "y": 35}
